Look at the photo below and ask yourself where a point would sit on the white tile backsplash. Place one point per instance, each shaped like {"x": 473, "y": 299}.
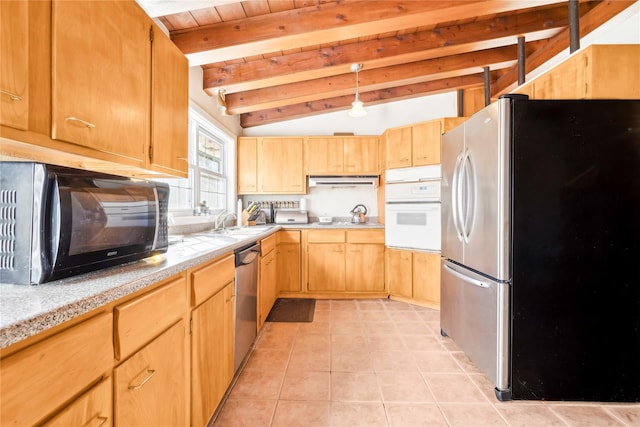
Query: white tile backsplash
{"x": 329, "y": 201}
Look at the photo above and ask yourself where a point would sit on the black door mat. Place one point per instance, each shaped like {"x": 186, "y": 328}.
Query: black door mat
{"x": 292, "y": 310}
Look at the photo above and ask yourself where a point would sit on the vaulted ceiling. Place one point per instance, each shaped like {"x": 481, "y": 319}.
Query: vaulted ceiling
{"x": 281, "y": 59}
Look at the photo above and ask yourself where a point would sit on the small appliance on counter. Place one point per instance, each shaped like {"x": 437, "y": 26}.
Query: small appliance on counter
{"x": 59, "y": 222}
{"x": 358, "y": 214}
{"x": 291, "y": 216}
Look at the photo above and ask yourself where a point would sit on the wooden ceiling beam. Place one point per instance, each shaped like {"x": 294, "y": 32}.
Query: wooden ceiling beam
{"x": 289, "y": 112}
{"x": 442, "y": 41}
{"x": 380, "y": 78}
{"x": 604, "y": 11}
{"x": 328, "y": 23}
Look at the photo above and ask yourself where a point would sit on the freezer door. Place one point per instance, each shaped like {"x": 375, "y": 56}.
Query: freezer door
{"x": 452, "y": 148}
{"x": 485, "y": 190}
{"x": 474, "y": 312}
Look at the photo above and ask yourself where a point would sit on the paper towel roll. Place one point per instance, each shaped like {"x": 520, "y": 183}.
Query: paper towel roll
{"x": 303, "y": 204}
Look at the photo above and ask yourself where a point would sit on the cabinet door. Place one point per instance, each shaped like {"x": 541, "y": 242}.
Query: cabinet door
{"x": 150, "y": 385}
{"x": 101, "y": 54}
{"x": 361, "y": 155}
{"x": 247, "y": 165}
{"x": 267, "y": 291}
{"x": 212, "y": 349}
{"x": 288, "y": 271}
{"x": 324, "y": 155}
{"x": 39, "y": 379}
{"x": 399, "y": 148}
{"x": 426, "y": 277}
{"x": 399, "y": 273}
{"x": 94, "y": 408}
{"x": 14, "y": 66}
{"x": 169, "y": 106}
{"x": 326, "y": 266}
{"x": 281, "y": 166}
{"x": 365, "y": 268}
{"x": 426, "y": 143}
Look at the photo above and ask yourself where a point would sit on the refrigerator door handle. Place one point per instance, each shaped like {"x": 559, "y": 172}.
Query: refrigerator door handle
{"x": 470, "y": 193}
{"x": 456, "y": 202}
{"x": 465, "y": 278}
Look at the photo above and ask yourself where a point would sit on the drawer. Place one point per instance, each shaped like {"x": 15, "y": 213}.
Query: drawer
{"x": 365, "y": 236}
{"x": 39, "y": 379}
{"x": 267, "y": 244}
{"x": 326, "y": 236}
{"x": 208, "y": 280}
{"x": 93, "y": 408}
{"x": 288, "y": 236}
{"x": 139, "y": 321}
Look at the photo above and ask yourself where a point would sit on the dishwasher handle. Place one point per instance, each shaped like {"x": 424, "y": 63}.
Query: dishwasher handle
{"x": 247, "y": 258}
{"x": 246, "y": 254}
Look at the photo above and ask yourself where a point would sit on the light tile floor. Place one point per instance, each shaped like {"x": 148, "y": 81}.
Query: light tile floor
{"x": 382, "y": 363}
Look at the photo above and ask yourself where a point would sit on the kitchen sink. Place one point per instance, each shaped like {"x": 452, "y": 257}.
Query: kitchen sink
{"x": 243, "y": 231}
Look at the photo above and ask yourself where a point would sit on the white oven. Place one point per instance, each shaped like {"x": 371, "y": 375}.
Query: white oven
{"x": 412, "y": 208}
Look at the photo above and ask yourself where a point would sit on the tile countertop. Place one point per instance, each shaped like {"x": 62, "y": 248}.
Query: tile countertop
{"x": 28, "y": 310}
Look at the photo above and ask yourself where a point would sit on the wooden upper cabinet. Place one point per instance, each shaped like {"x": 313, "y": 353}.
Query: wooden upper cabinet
{"x": 281, "y": 166}
{"x": 361, "y": 155}
{"x": 398, "y": 147}
{"x": 247, "y": 165}
{"x": 324, "y": 155}
{"x": 14, "y": 66}
{"x": 333, "y": 155}
{"x": 169, "y": 106}
{"x": 595, "y": 72}
{"x": 101, "y": 70}
{"x": 418, "y": 144}
{"x": 426, "y": 143}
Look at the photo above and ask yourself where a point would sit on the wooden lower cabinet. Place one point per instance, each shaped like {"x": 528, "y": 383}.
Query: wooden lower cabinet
{"x": 288, "y": 261}
{"x": 93, "y": 408}
{"x": 267, "y": 292}
{"x": 150, "y": 385}
{"x": 426, "y": 278}
{"x": 39, "y": 380}
{"x": 345, "y": 261}
{"x": 414, "y": 276}
{"x": 327, "y": 270}
{"x": 212, "y": 347}
{"x": 365, "y": 267}
{"x": 400, "y": 273}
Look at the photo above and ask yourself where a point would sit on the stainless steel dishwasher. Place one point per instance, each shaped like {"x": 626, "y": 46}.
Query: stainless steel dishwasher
{"x": 247, "y": 260}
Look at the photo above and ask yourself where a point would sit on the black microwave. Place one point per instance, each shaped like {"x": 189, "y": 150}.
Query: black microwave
{"x": 56, "y": 222}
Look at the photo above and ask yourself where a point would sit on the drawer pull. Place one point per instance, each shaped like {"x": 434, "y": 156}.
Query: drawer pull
{"x": 184, "y": 159}
{"x": 13, "y": 96}
{"x": 84, "y": 122}
{"x": 151, "y": 373}
{"x": 97, "y": 421}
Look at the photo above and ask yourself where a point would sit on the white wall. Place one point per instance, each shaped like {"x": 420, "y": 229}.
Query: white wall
{"x": 378, "y": 118}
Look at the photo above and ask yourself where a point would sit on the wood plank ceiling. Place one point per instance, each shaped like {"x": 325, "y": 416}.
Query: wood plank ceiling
{"x": 282, "y": 59}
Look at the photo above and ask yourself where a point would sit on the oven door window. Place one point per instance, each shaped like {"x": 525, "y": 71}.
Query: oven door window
{"x": 413, "y": 226}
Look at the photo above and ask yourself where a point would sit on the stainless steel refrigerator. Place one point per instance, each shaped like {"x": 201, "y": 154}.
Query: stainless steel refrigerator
{"x": 541, "y": 247}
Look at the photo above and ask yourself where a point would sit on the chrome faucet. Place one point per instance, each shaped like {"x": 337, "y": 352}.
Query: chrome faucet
{"x": 221, "y": 218}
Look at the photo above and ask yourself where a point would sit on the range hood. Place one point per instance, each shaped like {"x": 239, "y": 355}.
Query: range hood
{"x": 344, "y": 181}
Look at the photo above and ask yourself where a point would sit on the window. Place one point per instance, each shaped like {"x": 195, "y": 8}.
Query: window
{"x": 208, "y": 179}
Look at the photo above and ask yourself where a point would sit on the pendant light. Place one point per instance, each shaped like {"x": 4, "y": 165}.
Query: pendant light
{"x": 357, "y": 107}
